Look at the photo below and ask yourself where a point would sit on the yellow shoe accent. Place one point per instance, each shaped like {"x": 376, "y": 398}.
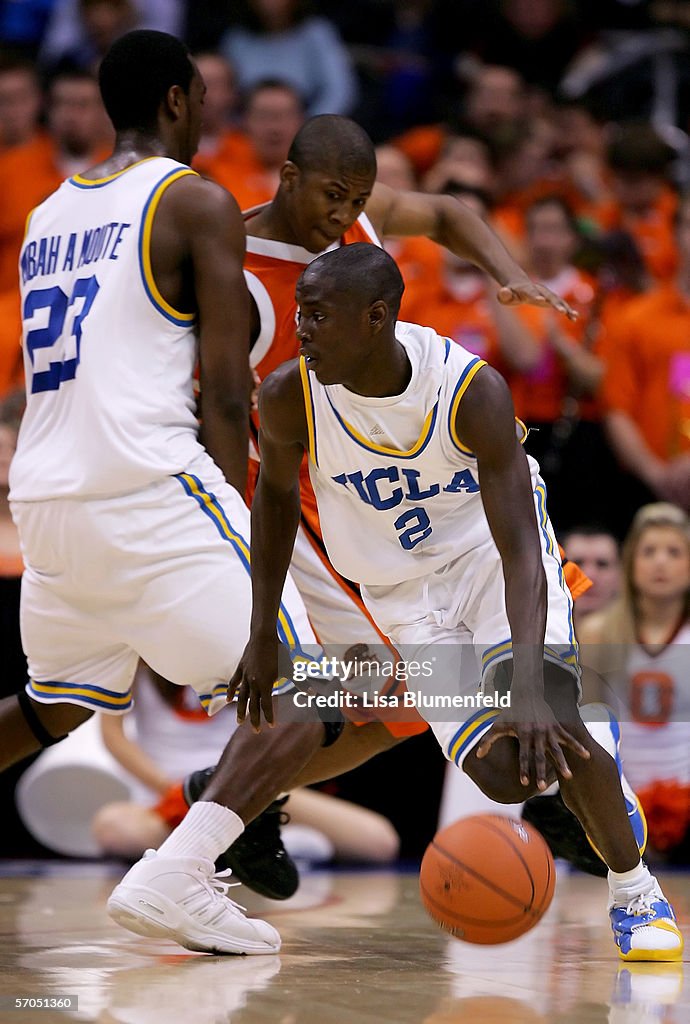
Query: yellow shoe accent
{"x": 661, "y": 956}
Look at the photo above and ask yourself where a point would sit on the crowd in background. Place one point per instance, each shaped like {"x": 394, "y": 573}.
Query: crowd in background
{"x": 564, "y": 123}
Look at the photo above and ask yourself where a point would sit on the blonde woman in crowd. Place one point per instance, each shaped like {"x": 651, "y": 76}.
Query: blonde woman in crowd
{"x": 640, "y": 645}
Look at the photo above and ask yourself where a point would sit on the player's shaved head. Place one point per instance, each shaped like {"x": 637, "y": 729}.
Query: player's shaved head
{"x": 362, "y": 272}
{"x": 328, "y": 142}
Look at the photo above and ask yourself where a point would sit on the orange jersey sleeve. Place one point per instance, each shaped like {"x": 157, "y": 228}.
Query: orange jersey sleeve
{"x": 578, "y": 581}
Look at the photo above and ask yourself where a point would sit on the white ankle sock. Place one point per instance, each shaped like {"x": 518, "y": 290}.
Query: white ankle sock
{"x": 206, "y": 831}
{"x": 625, "y": 885}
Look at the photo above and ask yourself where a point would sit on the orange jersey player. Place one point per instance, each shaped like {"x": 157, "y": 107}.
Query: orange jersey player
{"x": 325, "y": 185}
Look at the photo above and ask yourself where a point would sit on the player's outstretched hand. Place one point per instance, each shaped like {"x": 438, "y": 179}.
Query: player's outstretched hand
{"x": 253, "y": 681}
{"x": 539, "y": 735}
{"x": 533, "y": 294}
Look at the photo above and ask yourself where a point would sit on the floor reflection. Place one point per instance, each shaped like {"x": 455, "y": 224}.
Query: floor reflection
{"x": 357, "y": 949}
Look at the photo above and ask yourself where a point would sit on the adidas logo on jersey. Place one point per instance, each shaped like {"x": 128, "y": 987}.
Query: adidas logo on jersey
{"x": 376, "y": 431}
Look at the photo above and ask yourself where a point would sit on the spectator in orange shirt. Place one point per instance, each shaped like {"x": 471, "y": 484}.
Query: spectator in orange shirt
{"x": 580, "y": 150}
{"x": 525, "y": 172}
{"x": 274, "y": 113}
{"x": 458, "y": 300}
{"x": 495, "y": 99}
{"x": 621, "y": 276}
{"x": 644, "y": 204}
{"x": 29, "y": 173}
{"x": 394, "y": 169}
{"x": 419, "y": 259}
{"x": 11, "y": 359}
{"x": 558, "y": 398}
{"x": 565, "y": 365}
{"x": 445, "y": 292}
{"x": 20, "y": 101}
{"x": 462, "y": 154}
{"x": 223, "y": 143}
{"x": 647, "y": 385}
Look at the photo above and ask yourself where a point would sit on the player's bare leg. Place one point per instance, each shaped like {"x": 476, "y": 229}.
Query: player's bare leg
{"x": 27, "y": 726}
{"x": 258, "y": 857}
{"x": 256, "y": 767}
{"x": 356, "y": 745}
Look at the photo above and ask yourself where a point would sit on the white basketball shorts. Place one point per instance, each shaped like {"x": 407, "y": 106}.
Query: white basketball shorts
{"x": 160, "y": 574}
{"x": 453, "y": 626}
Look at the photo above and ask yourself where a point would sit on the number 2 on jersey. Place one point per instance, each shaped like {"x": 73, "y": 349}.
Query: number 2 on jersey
{"x": 415, "y": 526}
{"x": 65, "y": 349}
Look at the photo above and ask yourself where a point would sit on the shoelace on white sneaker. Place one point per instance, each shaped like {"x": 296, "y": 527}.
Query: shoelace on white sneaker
{"x": 217, "y": 887}
{"x": 642, "y": 904}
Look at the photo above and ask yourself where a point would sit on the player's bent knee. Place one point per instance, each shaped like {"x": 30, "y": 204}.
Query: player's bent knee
{"x": 499, "y": 781}
{"x": 503, "y": 791}
{"x": 332, "y": 731}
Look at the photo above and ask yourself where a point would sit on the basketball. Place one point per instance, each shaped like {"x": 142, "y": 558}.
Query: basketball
{"x": 487, "y": 879}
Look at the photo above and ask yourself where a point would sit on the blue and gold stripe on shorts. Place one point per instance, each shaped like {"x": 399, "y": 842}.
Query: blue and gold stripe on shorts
{"x": 80, "y": 693}
{"x": 211, "y": 507}
{"x": 469, "y": 732}
{"x": 540, "y": 494}
{"x": 567, "y": 654}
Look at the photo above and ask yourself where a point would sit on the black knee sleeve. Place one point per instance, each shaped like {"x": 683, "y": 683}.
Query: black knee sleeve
{"x": 332, "y": 730}
{"x": 34, "y": 722}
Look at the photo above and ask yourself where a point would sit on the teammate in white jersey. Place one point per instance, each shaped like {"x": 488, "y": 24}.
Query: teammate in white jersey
{"x": 427, "y": 499}
{"x": 134, "y": 532}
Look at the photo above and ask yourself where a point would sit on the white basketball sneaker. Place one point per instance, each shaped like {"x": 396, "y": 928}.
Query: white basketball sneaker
{"x": 181, "y": 898}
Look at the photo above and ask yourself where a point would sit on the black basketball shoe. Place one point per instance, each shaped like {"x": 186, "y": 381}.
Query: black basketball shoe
{"x": 258, "y": 858}
{"x": 563, "y": 832}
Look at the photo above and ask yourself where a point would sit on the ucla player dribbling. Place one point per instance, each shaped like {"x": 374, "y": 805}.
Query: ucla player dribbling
{"x": 134, "y": 533}
{"x": 427, "y": 499}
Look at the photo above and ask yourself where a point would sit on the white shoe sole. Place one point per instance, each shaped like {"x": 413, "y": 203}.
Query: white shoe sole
{"x": 147, "y": 912}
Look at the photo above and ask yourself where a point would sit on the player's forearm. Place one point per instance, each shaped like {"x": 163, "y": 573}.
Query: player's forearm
{"x": 526, "y": 603}
{"x": 468, "y": 236}
{"x": 275, "y": 518}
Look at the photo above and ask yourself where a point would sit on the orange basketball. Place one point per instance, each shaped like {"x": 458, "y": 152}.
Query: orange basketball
{"x": 487, "y": 879}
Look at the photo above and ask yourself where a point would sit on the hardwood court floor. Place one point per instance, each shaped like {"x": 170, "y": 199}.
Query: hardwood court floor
{"x": 357, "y": 947}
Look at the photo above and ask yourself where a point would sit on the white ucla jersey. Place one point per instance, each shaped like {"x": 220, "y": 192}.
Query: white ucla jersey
{"x": 397, "y": 491}
{"x": 655, "y": 732}
{"x": 108, "y": 361}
